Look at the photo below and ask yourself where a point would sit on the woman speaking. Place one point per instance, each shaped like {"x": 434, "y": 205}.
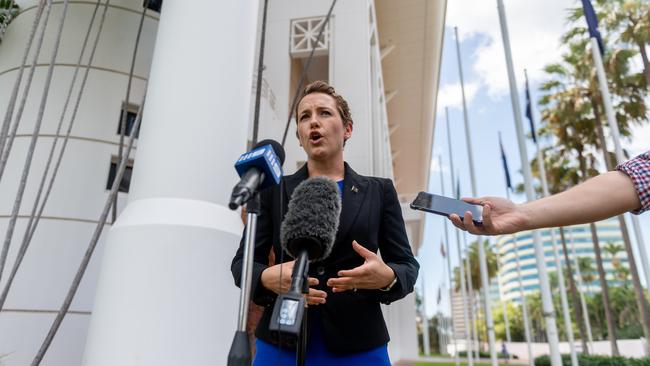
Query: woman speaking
{"x": 345, "y": 323}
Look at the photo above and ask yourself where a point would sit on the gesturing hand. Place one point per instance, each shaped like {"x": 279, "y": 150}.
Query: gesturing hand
{"x": 271, "y": 280}
{"x": 371, "y": 275}
{"x": 500, "y": 216}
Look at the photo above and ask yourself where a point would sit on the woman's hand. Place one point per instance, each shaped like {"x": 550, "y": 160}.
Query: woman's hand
{"x": 373, "y": 274}
{"x": 271, "y": 280}
{"x": 500, "y": 216}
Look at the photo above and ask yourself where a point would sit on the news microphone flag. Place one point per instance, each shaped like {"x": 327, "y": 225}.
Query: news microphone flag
{"x": 505, "y": 164}
{"x": 592, "y": 24}
{"x": 529, "y": 110}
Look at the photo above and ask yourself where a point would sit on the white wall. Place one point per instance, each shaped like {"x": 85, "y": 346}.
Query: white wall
{"x": 80, "y": 190}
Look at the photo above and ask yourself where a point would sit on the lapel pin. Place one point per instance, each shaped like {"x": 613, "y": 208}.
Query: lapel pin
{"x": 354, "y": 189}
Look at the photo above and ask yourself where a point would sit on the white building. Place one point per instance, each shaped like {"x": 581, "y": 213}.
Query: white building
{"x": 165, "y": 294}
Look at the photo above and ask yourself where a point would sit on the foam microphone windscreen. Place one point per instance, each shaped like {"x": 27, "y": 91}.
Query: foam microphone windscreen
{"x": 312, "y": 218}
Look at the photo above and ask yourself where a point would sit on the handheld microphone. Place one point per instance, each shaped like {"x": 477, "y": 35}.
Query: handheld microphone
{"x": 307, "y": 234}
{"x": 260, "y": 168}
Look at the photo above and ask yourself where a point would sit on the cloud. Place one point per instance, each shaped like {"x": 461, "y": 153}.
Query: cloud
{"x": 534, "y": 27}
{"x": 450, "y": 95}
{"x": 435, "y": 167}
{"x": 639, "y": 144}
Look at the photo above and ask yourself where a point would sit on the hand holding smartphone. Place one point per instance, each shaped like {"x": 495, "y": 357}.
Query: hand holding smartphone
{"x": 446, "y": 206}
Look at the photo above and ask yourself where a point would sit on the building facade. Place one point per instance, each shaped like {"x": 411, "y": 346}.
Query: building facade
{"x": 577, "y": 237}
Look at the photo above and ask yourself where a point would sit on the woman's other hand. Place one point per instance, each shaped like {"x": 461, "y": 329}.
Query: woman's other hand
{"x": 373, "y": 274}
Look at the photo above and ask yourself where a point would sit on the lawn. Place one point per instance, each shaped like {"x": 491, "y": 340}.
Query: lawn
{"x": 454, "y": 364}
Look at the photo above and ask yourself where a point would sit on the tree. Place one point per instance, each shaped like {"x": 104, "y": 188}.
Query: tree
{"x": 586, "y": 268}
{"x": 628, "y": 91}
{"x": 621, "y": 273}
{"x": 490, "y": 257}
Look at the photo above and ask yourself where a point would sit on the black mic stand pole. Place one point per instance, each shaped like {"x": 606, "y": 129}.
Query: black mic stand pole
{"x": 240, "y": 350}
{"x": 300, "y": 284}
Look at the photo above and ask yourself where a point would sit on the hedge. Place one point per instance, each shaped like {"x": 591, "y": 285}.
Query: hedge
{"x": 481, "y": 354}
{"x": 589, "y": 360}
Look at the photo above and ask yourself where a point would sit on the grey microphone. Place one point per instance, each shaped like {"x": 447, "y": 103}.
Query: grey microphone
{"x": 307, "y": 234}
{"x": 312, "y": 219}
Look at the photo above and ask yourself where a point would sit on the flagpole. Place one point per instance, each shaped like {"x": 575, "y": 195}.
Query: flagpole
{"x": 481, "y": 250}
{"x": 503, "y": 303}
{"x": 451, "y": 308}
{"x": 613, "y": 126}
{"x": 472, "y": 298}
{"x": 568, "y": 326}
{"x": 583, "y": 303}
{"x": 524, "y": 306}
{"x": 515, "y": 250}
{"x": 547, "y": 300}
{"x": 461, "y": 269}
{"x": 425, "y": 321}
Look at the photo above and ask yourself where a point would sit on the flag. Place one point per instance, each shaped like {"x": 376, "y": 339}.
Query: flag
{"x": 505, "y": 164}
{"x": 442, "y": 250}
{"x": 592, "y": 23}
{"x": 529, "y": 110}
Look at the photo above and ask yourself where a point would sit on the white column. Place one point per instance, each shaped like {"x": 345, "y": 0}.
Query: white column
{"x": 165, "y": 294}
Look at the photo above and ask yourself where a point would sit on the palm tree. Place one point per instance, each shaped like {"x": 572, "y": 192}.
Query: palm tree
{"x": 629, "y": 93}
{"x": 581, "y": 100}
{"x": 621, "y": 272}
{"x": 586, "y": 269}
{"x": 630, "y": 21}
{"x": 566, "y": 111}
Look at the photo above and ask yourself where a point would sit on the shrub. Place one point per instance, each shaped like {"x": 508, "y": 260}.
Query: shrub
{"x": 589, "y": 360}
{"x": 481, "y": 354}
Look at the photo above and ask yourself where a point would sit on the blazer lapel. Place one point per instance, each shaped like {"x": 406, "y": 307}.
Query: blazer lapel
{"x": 354, "y": 192}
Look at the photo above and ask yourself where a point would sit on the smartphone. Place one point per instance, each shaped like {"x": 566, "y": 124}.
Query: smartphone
{"x": 446, "y": 206}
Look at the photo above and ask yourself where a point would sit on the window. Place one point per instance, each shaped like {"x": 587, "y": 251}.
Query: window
{"x": 304, "y": 34}
{"x": 304, "y": 37}
{"x": 154, "y": 5}
{"x": 126, "y": 178}
{"x": 131, "y": 114}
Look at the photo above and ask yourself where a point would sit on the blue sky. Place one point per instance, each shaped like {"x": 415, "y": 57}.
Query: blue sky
{"x": 535, "y": 28}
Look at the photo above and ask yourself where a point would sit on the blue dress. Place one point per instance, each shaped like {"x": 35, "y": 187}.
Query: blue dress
{"x": 317, "y": 354}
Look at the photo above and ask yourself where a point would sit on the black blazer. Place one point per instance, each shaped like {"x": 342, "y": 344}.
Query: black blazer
{"x": 371, "y": 214}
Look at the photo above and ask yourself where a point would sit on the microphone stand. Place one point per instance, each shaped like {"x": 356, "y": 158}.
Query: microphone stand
{"x": 290, "y": 310}
{"x": 300, "y": 277}
{"x": 240, "y": 350}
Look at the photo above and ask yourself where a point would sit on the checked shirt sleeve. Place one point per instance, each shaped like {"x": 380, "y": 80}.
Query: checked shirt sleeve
{"x": 638, "y": 169}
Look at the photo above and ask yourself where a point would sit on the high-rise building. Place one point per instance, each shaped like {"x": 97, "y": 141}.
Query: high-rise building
{"x": 579, "y": 237}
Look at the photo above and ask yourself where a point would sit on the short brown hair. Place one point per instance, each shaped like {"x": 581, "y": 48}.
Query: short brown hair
{"x": 320, "y": 86}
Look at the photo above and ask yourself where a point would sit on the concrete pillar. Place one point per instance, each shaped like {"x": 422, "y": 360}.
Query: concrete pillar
{"x": 165, "y": 295}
